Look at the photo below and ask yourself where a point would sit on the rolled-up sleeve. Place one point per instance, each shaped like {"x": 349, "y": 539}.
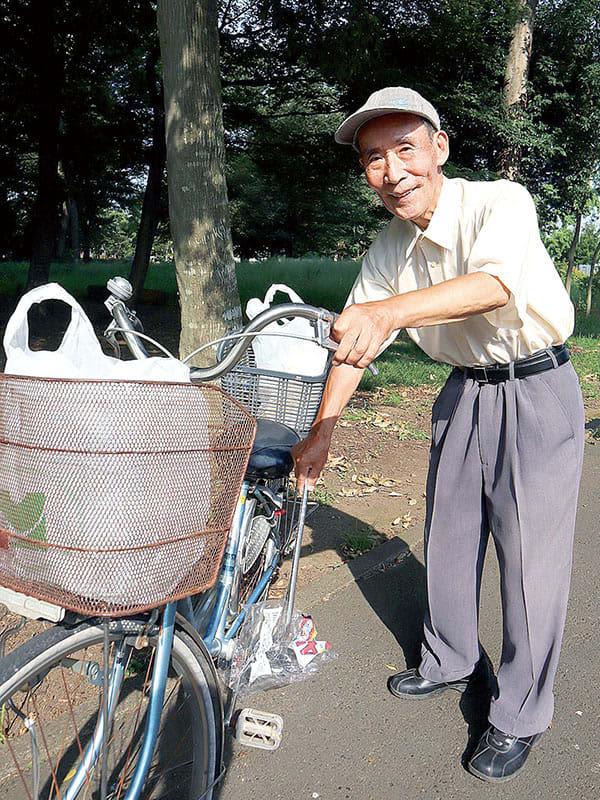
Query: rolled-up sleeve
{"x": 501, "y": 247}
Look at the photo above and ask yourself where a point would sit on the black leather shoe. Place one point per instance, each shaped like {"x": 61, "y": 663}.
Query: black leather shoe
{"x": 499, "y": 756}
{"x": 412, "y": 686}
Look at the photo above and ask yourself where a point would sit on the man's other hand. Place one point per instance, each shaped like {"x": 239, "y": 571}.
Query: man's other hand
{"x": 309, "y": 457}
{"x": 361, "y": 329}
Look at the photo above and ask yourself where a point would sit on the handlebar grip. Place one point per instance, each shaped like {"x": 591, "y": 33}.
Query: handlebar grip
{"x": 333, "y": 345}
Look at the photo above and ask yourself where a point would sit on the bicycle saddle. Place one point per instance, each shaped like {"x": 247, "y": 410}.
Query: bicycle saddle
{"x": 270, "y": 457}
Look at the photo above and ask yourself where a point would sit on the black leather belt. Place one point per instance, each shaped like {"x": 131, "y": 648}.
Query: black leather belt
{"x": 538, "y": 362}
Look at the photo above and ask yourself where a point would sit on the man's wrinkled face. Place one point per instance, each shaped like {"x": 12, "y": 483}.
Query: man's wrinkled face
{"x": 402, "y": 158}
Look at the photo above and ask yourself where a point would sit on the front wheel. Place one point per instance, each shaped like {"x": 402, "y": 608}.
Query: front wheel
{"x": 50, "y": 707}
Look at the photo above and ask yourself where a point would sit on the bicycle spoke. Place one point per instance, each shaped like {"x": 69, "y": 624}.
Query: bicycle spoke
{"x": 48, "y": 756}
{"x": 61, "y": 689}
{"x": 75, "y": 728}
{"x": 167, "y": 768}
{"x": 126, "y": 774}
{"x": 16, "y": 763}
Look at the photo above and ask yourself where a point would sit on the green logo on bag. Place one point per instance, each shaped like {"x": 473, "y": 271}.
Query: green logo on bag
{"x": 26, "y": 517}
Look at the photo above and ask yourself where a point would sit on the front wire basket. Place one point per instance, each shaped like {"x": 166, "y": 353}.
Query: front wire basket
{"x": 284, "y": 397}
{"x": 116, "y": 496}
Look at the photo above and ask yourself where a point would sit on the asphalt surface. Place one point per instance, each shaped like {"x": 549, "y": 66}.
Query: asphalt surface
{"x": 345, "y": 736}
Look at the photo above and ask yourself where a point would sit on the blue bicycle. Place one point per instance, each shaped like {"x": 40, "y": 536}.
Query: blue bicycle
{"x": 100, "y": 705}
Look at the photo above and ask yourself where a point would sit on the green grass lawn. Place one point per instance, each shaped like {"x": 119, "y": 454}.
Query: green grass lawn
{"x": 325, "y": 283}
{"x": 322, "y": 282}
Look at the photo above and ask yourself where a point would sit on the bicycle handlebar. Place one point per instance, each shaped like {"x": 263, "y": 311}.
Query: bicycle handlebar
{"x": 126, "y": 320}
{"x": 321, "y": 316}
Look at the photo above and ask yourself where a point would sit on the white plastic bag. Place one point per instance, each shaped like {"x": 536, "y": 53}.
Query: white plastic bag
{"x": 280, "y": 353}
{"x": 79, "y": 354}
{"x": 102, "y": 511}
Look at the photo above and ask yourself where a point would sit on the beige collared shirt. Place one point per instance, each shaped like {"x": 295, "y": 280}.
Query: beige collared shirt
{"x": 476, "y": 227}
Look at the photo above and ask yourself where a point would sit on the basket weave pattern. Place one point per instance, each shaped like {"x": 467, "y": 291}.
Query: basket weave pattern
{"x": 288, "y": 398}
{"x": 116, "y": 496}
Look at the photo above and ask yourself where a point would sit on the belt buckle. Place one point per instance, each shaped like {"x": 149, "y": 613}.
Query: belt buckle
{"x": 480, "y": 374}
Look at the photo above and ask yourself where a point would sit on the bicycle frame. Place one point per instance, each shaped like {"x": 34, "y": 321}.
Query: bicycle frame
{"x": 217, "y": 632}
{"x": 216, "y": 637}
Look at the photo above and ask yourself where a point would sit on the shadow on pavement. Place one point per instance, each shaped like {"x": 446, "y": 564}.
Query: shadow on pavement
{"x": 395, "y": 591}
{"x": 397, "y": 594}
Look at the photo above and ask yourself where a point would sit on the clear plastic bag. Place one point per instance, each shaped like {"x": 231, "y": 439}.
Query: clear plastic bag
{"x": 270, "y": 654}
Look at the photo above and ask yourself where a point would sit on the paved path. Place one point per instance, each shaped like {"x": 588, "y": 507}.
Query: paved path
{"x": 346, "y": 737}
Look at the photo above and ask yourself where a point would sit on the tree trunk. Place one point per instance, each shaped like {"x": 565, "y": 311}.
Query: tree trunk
{"x": 198, "y": 208}
{"x": 151, "y": 204}
{"x": 515, "y": 84}
{"x": 48, "y": 90}
{"x": 63, "y": 231}
{"x": 85, "y": 238}
{"x": 74, "y": 227}
{"x": 588, "y": 304}
{"x": 572, "y": 251}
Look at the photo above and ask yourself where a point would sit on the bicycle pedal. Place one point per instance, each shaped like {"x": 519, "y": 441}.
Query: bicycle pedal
{"x": 259, "y": 729}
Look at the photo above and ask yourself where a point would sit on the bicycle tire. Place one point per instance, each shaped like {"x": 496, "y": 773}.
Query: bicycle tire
{"x": 46, "y": 673}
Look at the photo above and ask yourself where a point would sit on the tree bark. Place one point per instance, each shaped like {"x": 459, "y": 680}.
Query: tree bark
{"x": 48, "y": 90}
{"x": 572, "y": 251}
{"x": 198, "y": 208}
{"x": 151, "y": 204}
{"x": 515, "y": 84}
{"x": 588, "y": 304}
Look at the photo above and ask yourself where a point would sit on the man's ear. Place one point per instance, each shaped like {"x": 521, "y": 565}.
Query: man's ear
{"x": 441, "y": 146}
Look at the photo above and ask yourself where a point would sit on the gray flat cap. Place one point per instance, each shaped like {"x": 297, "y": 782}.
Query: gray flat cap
{"x": 391, "y": 100}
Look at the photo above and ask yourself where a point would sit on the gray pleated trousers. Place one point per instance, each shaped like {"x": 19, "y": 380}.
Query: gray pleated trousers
{"x": 505, "y": 459}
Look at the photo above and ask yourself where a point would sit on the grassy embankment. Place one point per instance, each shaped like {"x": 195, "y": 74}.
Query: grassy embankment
{"x": 324, "y": 283}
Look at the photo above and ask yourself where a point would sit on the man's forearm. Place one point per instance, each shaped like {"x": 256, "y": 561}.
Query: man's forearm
{"x": 340, "y": 387}
{"x": 363, "y": 328}
{"x": 450, "y": 301}
{"x": 310, "y": 455}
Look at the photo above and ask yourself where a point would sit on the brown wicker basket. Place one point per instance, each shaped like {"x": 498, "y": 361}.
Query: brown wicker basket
{"x": 116, "y": 496}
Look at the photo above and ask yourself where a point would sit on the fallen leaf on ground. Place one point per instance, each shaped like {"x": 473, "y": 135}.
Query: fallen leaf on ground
{"x": 365, "y": 479}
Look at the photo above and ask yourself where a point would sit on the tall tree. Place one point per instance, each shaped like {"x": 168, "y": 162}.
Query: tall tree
{"x": 514, "y": 90}
{"x": 198, "y": 210}
{"x": 565, "y": 83}
{"x": 572, "y": 250}
{"x": 594, "y": 261}
{"x": 49, "y": 76}
{"x": 156, "y": 166}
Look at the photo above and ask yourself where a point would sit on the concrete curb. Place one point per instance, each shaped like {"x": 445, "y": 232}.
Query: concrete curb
{"x": 384, "y": 555}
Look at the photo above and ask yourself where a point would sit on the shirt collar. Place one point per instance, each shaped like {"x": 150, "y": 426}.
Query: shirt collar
{"x": 441, "y": 228}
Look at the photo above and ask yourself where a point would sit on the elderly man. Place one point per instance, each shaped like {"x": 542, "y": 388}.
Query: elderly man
{"x": 462, "y": 268}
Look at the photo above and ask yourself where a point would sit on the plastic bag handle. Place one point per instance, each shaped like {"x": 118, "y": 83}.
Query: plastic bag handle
{"x": 16, "y": 336}
{"x": 281, "y": 287}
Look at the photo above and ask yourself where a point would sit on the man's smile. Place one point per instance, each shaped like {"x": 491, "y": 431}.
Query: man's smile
{"x": 402, "y": 195}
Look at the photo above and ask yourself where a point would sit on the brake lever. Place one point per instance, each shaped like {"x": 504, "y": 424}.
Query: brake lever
{"x": 324, "y": 327}
{"x": 110, "y": 336}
